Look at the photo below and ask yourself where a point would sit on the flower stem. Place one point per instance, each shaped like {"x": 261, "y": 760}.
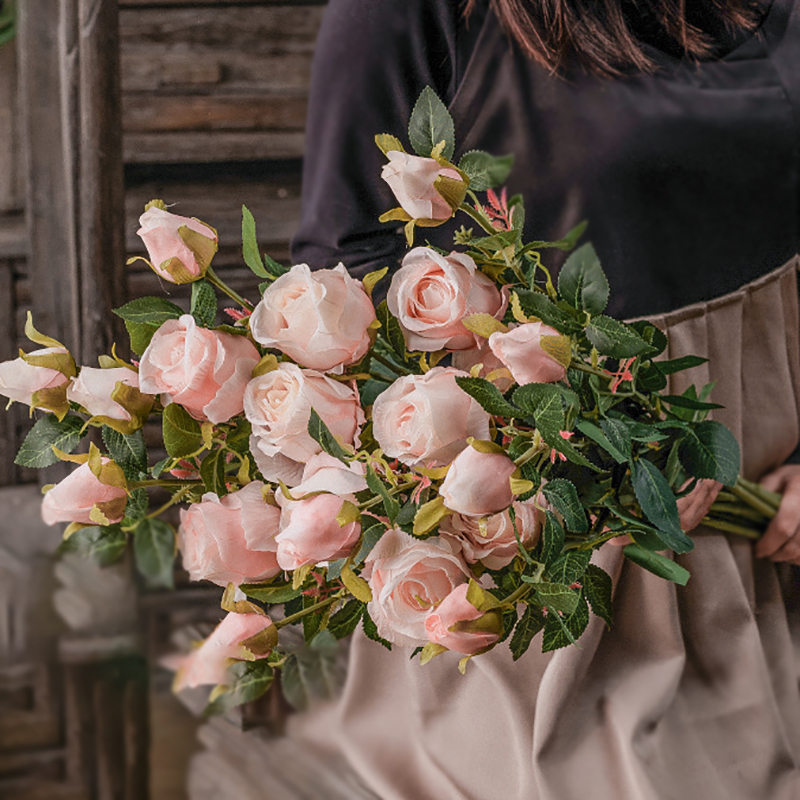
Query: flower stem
{"x": 176, "y": 498}
{"x": 166, "y": 484}
{"x": 398, "y": 370}
{"x": 731, "y": 527}
{"x": 306, "y": 611}
{"x": 518, "y": 594}
{"x": 471, "y": 212}
{"x": 753, "y": 500}
{"x": 213, "y": 278}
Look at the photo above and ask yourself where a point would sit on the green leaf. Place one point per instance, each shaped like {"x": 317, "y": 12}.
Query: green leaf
{"x": 251, "y": 680}
{"x": 674, "y": 365}
{"x": 371, "y": 630}
{"x": 591, "y": 431}
{"x": 104, "y": 545}
{"x": 658, "y": 502}
{"x": 274, "y": 268}
{"x": 391, "y": 331}
{"x": 204, "y": 304}
{"x": 615, "y": 339}
{"x": 537, "y": 304}
{"x": 562, "y": 631}
{"x": 582, "y": 282}
{"x": 530, "y": 623}
{"x": 212, "y": 471}
{"x": 619, "y": 434}
{"x": 377, "y": 487}
{"x": 552, "y": 539}
{"x": 654, "y": 336}
{"x": 36, "y": 451}
{"x": 710, "y": 450}
{"x": 489, "y": 397}
{"x": 567, "y": 243}
{"x": 321, "y": 434}
{"x": 182, "y": 435}
{"x": 140, "y": 334}
{"x": 136, "y": 507}
{"x": 292, "y": 684}
{"x": 346, "y": 620}
{"x": 497, "y": 241}
{"x": 484, "y": 170}
{"x": 430, "y": 124}
{"x": 250, "y": 252}
{"x": 311, "y": 622}
{"x": 273, "y": 595}
{"x": 149, "y": 310}
{"x": 558, "y": 597}
{"x": 569, "y": 567}
{"x": 688, "y": 402}
{"x": 599, "y": 589}
{"x": 372, "y": 530}
{"x": 312, "y": 672}
{"x": 128, "y": 450}
{"x": 563, "y": 495}
{"x": 154, "y": 548}
{"x": 657, "y": 564}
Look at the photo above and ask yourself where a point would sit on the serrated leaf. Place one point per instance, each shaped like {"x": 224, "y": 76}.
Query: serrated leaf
{"x": 489, "y": 397}
{"x": 553, "y": 538}
{"x": 558, "y": 597}
{"x": 484, "y": 170}
{"x": 377, "y": 487}
{"x": 371, "y": 630}
{"x": 657, "y": 564}
{"x": 212, "y": 471}
{"x": 104, "y": 545}
{"x": 154, "y": 548}
{"x": 372, "y": 530}
{"x": 430, "y": 124}
{"x": 346, "y": 620}
{"x": 388, "y": 143}
{"x": 391, "y": 331}
{"x": 619, "y": 434}
{"x": 673, "y": 365}
{"x": 321, "y": 434}
{"x": 273, "y": 595}
{"x": 356, "y": 585}
{"x": 598, "y": 588}
{"x": 569, "y": 567}
{"x": 659, "y": 505}
{"x": 36, "y": 451}
{"x": 140, "y": 335}
{"x": 688, "y": 402}
{"x": 562, "y": 631}
{"x": 250, "y": 251}
{"x": 251, "y": 680}
{"x": 181, "y": 431}
{"x": 204, "y": 304}
{"x": 128, "y": 450}
{"x": 148, "y": 310}
{"x": 615, "y": 339}
{"x": 294, "y": 689}
{"x": 563, "y": 495}
{"x": 537, "y": 304}
{"x": 710, "y": 450}
{"x": 582, "y": 282}
{"x": 275, "y": 268}
{"x": 530, "y": 623}
{"x": 591, "y": 431}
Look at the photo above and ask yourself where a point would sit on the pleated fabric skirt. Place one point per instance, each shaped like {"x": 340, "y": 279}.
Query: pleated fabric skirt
{"x": 692, "y": 694}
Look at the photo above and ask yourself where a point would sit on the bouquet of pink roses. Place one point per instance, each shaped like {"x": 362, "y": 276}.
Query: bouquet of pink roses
{"x": 437, "y": 469}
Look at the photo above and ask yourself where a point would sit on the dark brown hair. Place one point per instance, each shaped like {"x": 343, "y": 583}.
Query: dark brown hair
{"x": 605, "y": 36}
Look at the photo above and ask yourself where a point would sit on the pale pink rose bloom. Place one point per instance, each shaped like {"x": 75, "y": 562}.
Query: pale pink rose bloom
{"x": 324, "y": 473}
{"x": 278, "y": 405}
{"x": 159, "y": 232}
{"x": 73, "y": 498}
{"x": 408, "y": 577}
{"x": 431, "y": 294}
{"x": 230, "y": 539}
{"x": 426, "y": 419}
{"x": 19, "y": 380}
{"x": 455, "y": 608}
{"x": 481, "y": 354}
{"x": 411, "y": 180}
{"x": 93, "y": 387}
{"x": 202, "y": 370}
{"x": 207, "y": 665}
{"x": 491, "y": 540}
{"x": 320, "y": 319}
{"x": 478, "y": 483}
{"x": 521, "y": 351}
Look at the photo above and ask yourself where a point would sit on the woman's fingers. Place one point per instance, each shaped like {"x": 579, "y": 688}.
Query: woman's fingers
{"x": 776, "y": 480}
{"x": 775, "y": 543}
{"x": 697, "y": 503}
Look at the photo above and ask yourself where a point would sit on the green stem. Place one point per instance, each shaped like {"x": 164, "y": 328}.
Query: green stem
{"x": 166, "y": 484}
{"x": 213, "y": 278}
{"x": 730, "y": 527}
{"x": 582, "y": 367}
{"x": 176, "y": 498}
{"x": 518, "y": 594}
{"x": 398, "y": 370}
{"x": 306, "y": 611}
{"x": 485, "y": 224}
{"x": 772, "y": 498}
{"x": 377, "y": 500}
{"x": 754, "y": 501}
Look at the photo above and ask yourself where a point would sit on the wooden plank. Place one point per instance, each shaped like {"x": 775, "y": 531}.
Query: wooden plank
{"x": 143, "y": 113}
{"x": 8, "y": 337}
{"x": 210, "y": 147}
{"x": 11, "y": 194}
{"x": 13, "y": 236}
{"x": 138, "y": 4}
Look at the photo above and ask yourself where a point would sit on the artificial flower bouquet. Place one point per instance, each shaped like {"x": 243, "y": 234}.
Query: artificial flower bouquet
{"x": 437, "y": 469}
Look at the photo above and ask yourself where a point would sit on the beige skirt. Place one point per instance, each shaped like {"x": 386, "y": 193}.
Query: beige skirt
{"x": 692, "y": 694}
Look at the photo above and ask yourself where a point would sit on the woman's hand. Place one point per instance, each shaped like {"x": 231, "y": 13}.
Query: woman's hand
{"x": 697, "y": 503}
{"x": 781, "y": 541}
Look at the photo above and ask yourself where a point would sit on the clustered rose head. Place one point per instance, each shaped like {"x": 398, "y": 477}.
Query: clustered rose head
{"x": 460, "y": 626}
{"x": 478, "y": 482}
{"x": 520, "y": 349}
{"x": 230, "y": 539}
{"x": 431, "y": 294}
{"x": 111, "y": 396}
{"x": 203, "y": 370}
{"x": 320, "y": 319}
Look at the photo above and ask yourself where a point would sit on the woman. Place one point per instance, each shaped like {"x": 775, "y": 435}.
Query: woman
{"x": 674, "y": 129}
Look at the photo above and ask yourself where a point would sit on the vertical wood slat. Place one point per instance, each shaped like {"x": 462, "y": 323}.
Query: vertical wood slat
{"x": 8, "y": 420}
{"x": 10, "y": 142}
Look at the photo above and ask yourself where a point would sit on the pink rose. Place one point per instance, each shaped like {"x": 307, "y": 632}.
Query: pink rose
{"x": 491, "y": 365}
{"x": 408, "y": 577}
{"x": 423, "y": 419}
{"x": 454, "y": 624}
{"x": 478, "y": 483}
{"x": 94, "y": 389}
{"x": 202, "y": 370}
{"x": 324, "y": 473}
{"x": 19, "y": 380}
{"x": 208, "y": 664}
{"x": 521, "y": 351}
{"x": 431, "y": 294}
{"x": 81, "y": 492}
{"x": 411, "y": 179}
{"x": 320, "y": 319}
{"x": 279, "y": 403}
{"x": 491, "y": 540}
{"x": 180, "y": 248}
{"x": 230, "y": 539}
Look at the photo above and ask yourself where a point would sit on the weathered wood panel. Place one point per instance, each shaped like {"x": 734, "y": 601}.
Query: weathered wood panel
{"x": 11, "y": 192}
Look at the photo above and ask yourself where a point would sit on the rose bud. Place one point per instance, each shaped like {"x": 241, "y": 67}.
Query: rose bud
{"x": 93, "y": 494}
{"x": 26, "y": 380}
{"x": 408, "y": 577}
{"x": 202, "y": 370}
{"x": 415, "y": 182}
{"x": 491, "y": 367}
{"x": 278, "y": 405}
{"x": 320, "y": 319}
{"x": 431, "y": 294}
{"x": 112, "y": 397}
{"x": 478, "y": 482}
{"x": 180, "y": 248}
{"x": 427, "y": 419}
{"x": 230, "y": 539}
{"x": 238, "y": 636}
{"x": 491, "y": 540}
{"x": 458, "y": 625}
{"x": 521, "y": 351}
